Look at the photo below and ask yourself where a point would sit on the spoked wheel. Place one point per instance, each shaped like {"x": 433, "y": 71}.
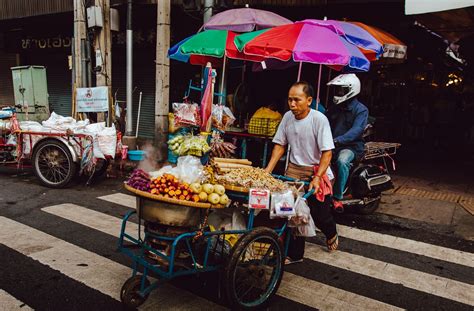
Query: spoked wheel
{"x": 369, "y": 208}
{"x": 53, "y": 164}
{"x": 255, "y": 269}
{"x": 130, "y": 292}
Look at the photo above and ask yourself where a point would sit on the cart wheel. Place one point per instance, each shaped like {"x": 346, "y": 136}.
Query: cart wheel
{"x": 368, "y": 209}
{"x": 130, "y": 292}
{"x": 53, "y": 164}
{"x": 254, "y": 271}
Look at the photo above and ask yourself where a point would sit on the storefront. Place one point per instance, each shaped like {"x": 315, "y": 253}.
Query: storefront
{"x": 43, "y": 41}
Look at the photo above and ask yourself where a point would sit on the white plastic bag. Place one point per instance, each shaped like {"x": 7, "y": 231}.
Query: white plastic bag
{"x": 238, "y": 221}
{"x": 303, "y": 221}
{"x": 189, "y": 169}
{"x": 283, "y": 204}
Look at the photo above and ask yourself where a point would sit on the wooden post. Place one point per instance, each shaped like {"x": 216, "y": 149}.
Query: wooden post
{"x": 103, "y": 49}
{"x": 162, "y": 77}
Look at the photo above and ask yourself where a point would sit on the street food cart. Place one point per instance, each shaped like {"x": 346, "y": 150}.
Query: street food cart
{"x": 178, "y": 234}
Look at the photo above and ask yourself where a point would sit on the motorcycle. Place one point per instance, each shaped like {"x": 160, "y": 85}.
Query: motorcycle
{"x": 369, "y": 176}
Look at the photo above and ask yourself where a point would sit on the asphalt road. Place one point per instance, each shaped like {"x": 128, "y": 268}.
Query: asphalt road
{"x": 58, "y": 252}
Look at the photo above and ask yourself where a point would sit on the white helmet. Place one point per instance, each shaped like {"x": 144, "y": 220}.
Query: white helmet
{"x": 349, "y": 87}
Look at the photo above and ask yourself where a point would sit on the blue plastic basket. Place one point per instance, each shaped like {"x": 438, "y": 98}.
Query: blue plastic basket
{"x": 136, "y": 155}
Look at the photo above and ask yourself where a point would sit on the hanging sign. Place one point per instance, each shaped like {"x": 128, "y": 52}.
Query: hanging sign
{"x": 259, "y": 199}
{"x": 92, "y": 99}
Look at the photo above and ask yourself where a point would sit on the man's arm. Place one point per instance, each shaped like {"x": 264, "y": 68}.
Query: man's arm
{"x": 323, "y": 166}
{"x": 277, "y": 153}
{"x": 356, "y": 130}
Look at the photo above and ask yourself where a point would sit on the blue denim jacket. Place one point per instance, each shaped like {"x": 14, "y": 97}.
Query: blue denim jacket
{"x": 348, "y": 121}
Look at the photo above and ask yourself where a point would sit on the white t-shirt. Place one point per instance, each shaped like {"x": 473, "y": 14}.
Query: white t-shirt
{"x": 308, "y": 138}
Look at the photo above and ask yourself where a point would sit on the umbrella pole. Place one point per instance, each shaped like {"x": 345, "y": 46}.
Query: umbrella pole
{"x": 327, "y": 93}
{"x": 299, "y": 72}
{"x": 221, "y": 89}
{"x": 289, "y": 148}
{"x": 319, "y": 85}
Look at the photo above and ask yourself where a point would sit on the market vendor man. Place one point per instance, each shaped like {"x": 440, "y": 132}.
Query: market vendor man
{"x": 308, "y": 134}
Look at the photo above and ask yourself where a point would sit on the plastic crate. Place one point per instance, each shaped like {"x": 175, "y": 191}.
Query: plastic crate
{"x": 263, "y": 126}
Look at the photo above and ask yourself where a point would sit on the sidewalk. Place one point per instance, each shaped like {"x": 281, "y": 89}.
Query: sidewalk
{"x": 435, "y": 194}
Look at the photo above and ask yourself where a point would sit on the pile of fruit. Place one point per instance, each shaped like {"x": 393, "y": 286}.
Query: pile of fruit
{"x": 169, "y": 186}
{"x": 214, "y": 194}
{"x": 139, "y": 180}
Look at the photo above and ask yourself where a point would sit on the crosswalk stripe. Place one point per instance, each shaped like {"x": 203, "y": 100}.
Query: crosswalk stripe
{"x": 90, "y": 218}
{"x": 424, "y": 282}
{"x": 410, "y": 246}
{"x": 390, "y": 241}
{"x": 10, "y": 303}
{"x": 89, "y": 268}
{"x": 120, "y": 199}
{"x": 293, "y": 287}
{"x": 324, "y": 297}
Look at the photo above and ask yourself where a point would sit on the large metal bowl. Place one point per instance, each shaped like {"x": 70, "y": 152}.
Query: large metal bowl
{"x": 168, "y": 214}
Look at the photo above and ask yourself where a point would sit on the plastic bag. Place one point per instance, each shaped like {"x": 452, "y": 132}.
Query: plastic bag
{"x": 164, "y": 170}
{"x": 186, "y": 114}
{"x": 238, "y": 221}
{"x": 222, "y": 117}
{"x": 283, "y": 204}
{"x": 302, "y": 220}
{"x": 189, "y": 169}
{"x": 11, "y": 139}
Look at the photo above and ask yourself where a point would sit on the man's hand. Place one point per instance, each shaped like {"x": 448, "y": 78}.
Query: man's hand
{"x": 315, "y": 184}
{"x": 268, "y": 170}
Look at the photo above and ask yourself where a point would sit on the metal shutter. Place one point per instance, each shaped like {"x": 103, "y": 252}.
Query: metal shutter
{"x": 59, "y": 80}
{"x": 144, "y": 80}
{"x": 6, "y": 84}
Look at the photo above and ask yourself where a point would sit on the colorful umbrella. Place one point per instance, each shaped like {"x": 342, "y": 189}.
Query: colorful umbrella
{"x": 208, "y": 46}
{"x": 245, "y": 20}
{"x": 303, "y": 42}
{"x": 392, "y": 47}
{"x": 354, "y": 34}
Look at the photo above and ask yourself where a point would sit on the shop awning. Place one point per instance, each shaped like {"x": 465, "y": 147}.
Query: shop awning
{"x": 451, "y": 24}
{"x": 429, "y": 6}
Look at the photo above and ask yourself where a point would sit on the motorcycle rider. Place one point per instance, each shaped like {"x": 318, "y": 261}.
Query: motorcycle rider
{"x": 348, "y": 119}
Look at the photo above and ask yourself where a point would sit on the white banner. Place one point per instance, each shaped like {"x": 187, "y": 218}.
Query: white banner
{"x": 427, "y": 6}
{"x": 92, "y": 99}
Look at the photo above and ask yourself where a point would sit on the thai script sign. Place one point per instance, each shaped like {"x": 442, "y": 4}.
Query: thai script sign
{"x": 46, "y": 43}
{"x": 92, "y": 99}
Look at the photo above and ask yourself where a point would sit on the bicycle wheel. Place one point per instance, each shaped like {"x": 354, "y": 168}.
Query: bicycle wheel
{"x": 254, "y": 271}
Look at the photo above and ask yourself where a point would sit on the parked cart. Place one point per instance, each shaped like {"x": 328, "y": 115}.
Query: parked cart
{"x": 55, "y": 156}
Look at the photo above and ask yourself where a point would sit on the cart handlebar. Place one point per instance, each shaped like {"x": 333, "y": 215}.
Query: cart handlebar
{"x": 306, "y": 183}
{"x": 286, "y": 178}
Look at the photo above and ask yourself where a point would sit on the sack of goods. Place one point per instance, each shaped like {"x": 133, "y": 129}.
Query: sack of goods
{"x": 264, "y": 122}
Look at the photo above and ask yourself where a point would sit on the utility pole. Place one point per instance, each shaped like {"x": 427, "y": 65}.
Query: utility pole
{"x": 129, "y": 86}
{"x": 208, "y": 4}
{"x": 162, "y": 77}
{"x": 79, "y": 44}
{"x": 103, "y": 51}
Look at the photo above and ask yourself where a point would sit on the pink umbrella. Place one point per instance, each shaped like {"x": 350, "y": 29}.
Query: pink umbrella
{"x": 245, "y": 20}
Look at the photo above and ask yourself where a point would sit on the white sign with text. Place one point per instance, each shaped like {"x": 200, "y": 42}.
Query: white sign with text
{"x": 92, "y": 99}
